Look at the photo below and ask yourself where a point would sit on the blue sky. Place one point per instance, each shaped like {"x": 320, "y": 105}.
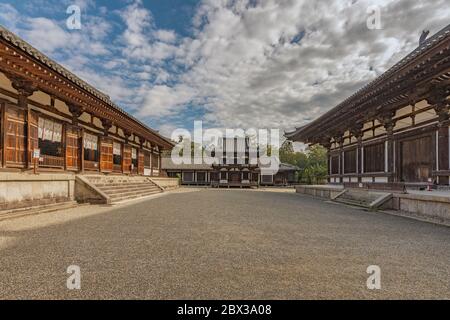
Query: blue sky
{"x": 233, "y": 64}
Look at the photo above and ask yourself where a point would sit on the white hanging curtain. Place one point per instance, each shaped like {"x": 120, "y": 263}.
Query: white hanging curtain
{"x": 48, "y": 130}
{"x": 57, "y": 132}
{"x": 90, "y": 141}
{"x": 117, "y": 149}
{"x": 41, "y": 128}
{"x": 133, "y": 153}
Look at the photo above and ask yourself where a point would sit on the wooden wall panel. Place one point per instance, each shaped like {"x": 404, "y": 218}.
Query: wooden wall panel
{"x": 33, "y": 139}
{"x": 141, "y": 162}
{"x": 2, "y": 134}
{"x": 335, "y": 165}
{"x": 350, "y": 161}
{"x": 417, "y": 159}
{"x": 374, "y": 160}
{"x": 106, "y": 154}
{"x": 15, "y": 137}
{"x": 73, "y": 143}
{"x": 126, "y": 159}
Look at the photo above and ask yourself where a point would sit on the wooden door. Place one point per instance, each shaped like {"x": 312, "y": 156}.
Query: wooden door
{"x": 15, "y": 137}
{"x": 126, "y": 159}
{"x": 33, "y": 138}
{"x": 2, "y": 133}
{"x": 72, "y": 148}
{"x": 141, "y": 162}
{"x": 106, "y": 155}
{"x": 234, "y": 177}
{"x": 417, "y": 159}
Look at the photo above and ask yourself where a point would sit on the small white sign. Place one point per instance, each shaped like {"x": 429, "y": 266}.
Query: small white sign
{"x": 36, "y": 153}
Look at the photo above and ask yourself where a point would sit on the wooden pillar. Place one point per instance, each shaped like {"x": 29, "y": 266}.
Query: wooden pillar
{"x": 25, "y": 89}
{"x": 151, "y": 160}
{"x": 127, "y": 135}
{"x": 340, "y": 141}
{"x": 76, "y": 112}
{"x": 2, "y": 134}
{"x": 159, "y": 163}
{"x": 386, "y": 119}
{"x": 82, "y": 150}
{"x": 442, "y": 110}
{"x": 358, "y": 134}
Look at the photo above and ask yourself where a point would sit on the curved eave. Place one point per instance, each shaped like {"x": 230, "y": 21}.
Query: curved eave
{"x": 20, "y": 44}
{"x": 320, "y": 125}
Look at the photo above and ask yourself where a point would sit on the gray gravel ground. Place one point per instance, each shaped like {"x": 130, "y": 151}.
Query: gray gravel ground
{"x": 223, "y": 245}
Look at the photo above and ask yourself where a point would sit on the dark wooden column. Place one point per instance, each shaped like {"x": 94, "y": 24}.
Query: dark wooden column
{"x": 442, "y": 110}
{"x": 127, "y": 135}
{"x": 24, "y": 89}
{"x": 438, "y": 99}
{"x": 151, "y": 160}
{"x": 76, "y": 112}
{"x": 340, "y": 141}
{"x": 386, "y": 119}
{"x": 358, "y": 134}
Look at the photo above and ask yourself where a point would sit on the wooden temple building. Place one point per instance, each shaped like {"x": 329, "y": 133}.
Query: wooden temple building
{"x": 234, "y": 169}
{"x": 394, "y": 132}
{"x": 54, "y": 123}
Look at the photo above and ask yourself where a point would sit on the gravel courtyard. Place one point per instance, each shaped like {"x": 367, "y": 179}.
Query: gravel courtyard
{"x": 223, "y": 244}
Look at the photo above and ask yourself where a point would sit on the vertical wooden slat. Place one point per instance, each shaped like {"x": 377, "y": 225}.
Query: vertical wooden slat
{"x": 2, "y": 135}
{"x": 82, "y": 149}
{"x": 106, "y": 156}
{"x": 33, "y": 139}
{"x": 141, "y": 161}
{"x": 126, "y": 159}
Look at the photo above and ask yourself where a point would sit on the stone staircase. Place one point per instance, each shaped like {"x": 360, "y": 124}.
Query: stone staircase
{"x": 120, "y": 188}
{"x": 363, "y": 198}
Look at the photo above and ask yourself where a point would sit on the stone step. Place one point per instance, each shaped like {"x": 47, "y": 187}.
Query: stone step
{"x": 120, "y": 198}
{"x": 118, "y": 184}
{"x": 127, "y": 188}
{"x": 352, "y": 202}
{"x": 135, "y": 191}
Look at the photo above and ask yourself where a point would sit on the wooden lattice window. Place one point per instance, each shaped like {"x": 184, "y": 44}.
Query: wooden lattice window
{"x": 72, "y": 148}
{"x": 15, "y": 139}
{"x": 141, "y": 162}
{"x": 106, "y": 155}
{"x": 126, "y": 159}
{"x": 48, "y": 135}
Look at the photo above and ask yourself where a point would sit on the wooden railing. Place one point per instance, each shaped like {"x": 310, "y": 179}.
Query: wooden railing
{"x": 51, "y": 162}
{"x": 91, "y": 165}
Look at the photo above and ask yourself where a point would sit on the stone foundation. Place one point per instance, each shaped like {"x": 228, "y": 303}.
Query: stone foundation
{"x": 23, "y": 190}
{"x": 435, "y": 208}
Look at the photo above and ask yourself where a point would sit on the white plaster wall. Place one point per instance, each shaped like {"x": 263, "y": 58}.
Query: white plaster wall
{"x": 17, "y": 188}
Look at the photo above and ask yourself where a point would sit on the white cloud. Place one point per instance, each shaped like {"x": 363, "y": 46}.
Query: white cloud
{"x": 248, "y": 63}
{"x": 244, "y": 64}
